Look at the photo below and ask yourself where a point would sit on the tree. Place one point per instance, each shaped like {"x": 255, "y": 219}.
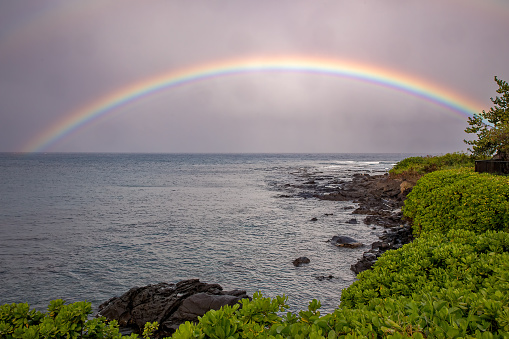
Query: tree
{"x": 492, "y": 127}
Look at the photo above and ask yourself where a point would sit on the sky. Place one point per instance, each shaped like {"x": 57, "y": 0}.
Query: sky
{"x": 60, "y": 59}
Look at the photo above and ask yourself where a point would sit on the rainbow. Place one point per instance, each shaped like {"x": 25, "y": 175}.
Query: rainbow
{"x": 376, "y": 75}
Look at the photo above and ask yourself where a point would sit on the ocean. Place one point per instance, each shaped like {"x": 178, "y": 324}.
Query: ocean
{"x": 91, "y": 226}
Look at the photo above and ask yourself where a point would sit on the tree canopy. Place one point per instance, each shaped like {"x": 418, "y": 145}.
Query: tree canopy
{"x": 492, "y": 127}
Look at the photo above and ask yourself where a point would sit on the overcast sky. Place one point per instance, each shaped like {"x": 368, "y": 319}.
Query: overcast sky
{"x": 58, "y": 56}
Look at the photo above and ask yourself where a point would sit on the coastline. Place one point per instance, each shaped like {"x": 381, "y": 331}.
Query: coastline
{"x": 462, "y": 264}
{"x": 380, "y": 198}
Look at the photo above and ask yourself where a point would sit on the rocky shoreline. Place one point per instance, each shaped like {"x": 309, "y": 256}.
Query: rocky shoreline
{"x": 169, "y": 304}
{"x": 379, "y": 198}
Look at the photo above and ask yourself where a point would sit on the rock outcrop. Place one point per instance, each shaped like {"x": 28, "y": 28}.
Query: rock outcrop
{"x": 393, "y": 239}
{"x": 301, "y": 261}
{"x": 168, "y": 304}
{"x": 380, "y": 198}
{"x": 344, "y": 241}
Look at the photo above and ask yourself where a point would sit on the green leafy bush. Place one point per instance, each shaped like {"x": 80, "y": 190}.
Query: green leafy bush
{"x": 460, "y": 260}
{"x": 249, "y": 319}
{"x": 418, "y": 166}
{"x": 60, "y": 321}
{"x": 458, "y": 199}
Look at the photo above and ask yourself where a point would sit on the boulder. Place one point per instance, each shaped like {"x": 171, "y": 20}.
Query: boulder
{"x": 380, "y": 245}
{"x": 365, "y": 263}
{"x": 395, "y": 238}
{"x": 344, "y": 241}
{"x": 168, "y": 304}
{"x": 323, "y": 277}
{"x": 300, "y": 261}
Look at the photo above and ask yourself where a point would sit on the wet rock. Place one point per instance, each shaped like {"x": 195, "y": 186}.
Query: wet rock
{"x": 168, "y": 304}
{"x": 352, "y": 221}
{"x": 301, "y": 261}
{"x": 196, "y": 306}
{"x": 365, "y": 263}
{"x": 344, "y": 241}
{"x": 380, "y": 245}
{"x": 398, "y": 235}
{"x": 323, "y": 277}
{"x": 392, "y": 239}
{"x": 313, "y": 219}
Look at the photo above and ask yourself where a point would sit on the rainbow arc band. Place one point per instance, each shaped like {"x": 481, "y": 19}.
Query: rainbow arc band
{"x": 405, "y": 83}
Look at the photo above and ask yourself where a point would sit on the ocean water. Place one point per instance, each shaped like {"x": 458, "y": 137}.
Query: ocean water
{"x": 91, "y": 226}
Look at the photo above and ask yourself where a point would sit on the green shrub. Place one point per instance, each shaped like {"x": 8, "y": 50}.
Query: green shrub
{"x": 458, "y": 199}
{"x": 61, "y": 321}
{"x": 250, "y": 319}
{"x": 422, "y": 165}
{"x": 459, "y": 260}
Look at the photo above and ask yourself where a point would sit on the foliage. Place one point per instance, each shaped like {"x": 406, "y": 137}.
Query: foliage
{"x": 458, "y": 199}
{"x": 249, "y": 319}
{"x": 418, "y": 166}
{"x": 60, "y": 321}
{"x": 494, "y": 135}
{"x": 461, "y": 260}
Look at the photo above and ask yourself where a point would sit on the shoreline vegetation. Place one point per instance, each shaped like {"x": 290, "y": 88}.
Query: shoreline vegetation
{"x": 451, "y": 281}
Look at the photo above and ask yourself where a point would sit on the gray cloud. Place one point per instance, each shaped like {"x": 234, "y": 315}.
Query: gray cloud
{"x": 59, "y": 56}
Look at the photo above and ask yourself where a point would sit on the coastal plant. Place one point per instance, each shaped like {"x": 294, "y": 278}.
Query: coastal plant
{"x": 453, "y": 285}
{"x": 458, "y": 260}
{"x": 458, "y": 199}
{"x": 418, "y": 166}
{"x": 248, "y": 319}
{"x": 60, "y": 321}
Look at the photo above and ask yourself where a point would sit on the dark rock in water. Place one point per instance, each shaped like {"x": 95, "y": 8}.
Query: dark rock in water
{"x": 301, "y": 261}
{"x": 352, "y": 221}
{"x": 328, "y": 214}
{"x": 168, "y": 304}
{"x": 385, "y": 219}
{"x": 351, "y": 245}
{"x": 398, "y": 235}
{"x": 323, "y": 277}
{"x": 313, "y": 219}
{"x": 365, "y": 263}
{"x": 344, "y": 241}
{"x": 395, "y": 238}
{"x": 380, "y": 245}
